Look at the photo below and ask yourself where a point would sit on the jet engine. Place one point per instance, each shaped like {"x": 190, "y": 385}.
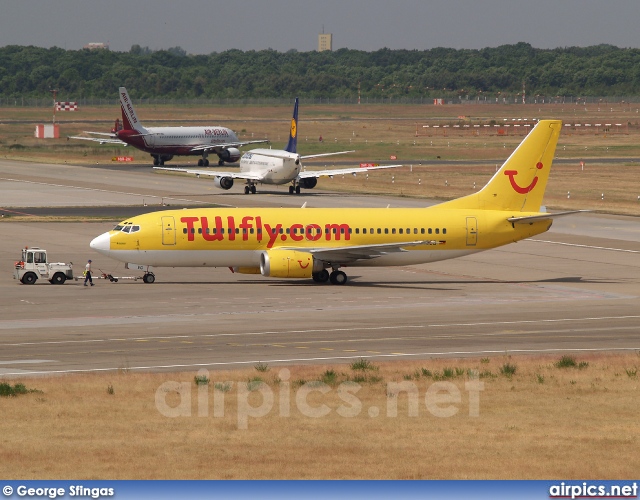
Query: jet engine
{"x": 230, "y": 155}
{"x": 223, "y": 182}
{"x": 309, "y": 182}
{"x": 288, "y": 264}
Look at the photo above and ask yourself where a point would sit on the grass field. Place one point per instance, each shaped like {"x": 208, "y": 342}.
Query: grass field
{"x": 506, "y": 417}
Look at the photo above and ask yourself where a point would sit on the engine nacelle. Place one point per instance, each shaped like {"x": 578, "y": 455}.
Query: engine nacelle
{"x": 230, "y": 155}
{"x": 288, "y": 264}
{"x": 223, "y": 182}
{"x": 309, "y": 182}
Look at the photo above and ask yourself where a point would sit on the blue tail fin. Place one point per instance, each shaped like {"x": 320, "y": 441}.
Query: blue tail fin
{"x": 293, "y": 133}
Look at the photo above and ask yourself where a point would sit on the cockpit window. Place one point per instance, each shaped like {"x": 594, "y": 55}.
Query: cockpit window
{"x": 118, "y": 227}
{"x": 135, "y": 229}
{"x": 126, "y": 229}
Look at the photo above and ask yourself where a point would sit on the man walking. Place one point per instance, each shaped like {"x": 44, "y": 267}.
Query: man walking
{"x": 87, "y": 273}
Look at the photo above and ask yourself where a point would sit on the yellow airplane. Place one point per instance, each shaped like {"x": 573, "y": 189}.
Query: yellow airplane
{"x": 308, "y": 242}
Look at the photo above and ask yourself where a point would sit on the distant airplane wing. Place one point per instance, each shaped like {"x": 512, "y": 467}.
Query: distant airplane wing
{"x": 220, "y": 147}
{"x": 110, "y": 140}
{"x": 212, "y": 173}
{"x": 305, "y": 174}
{"x": 346, "y": 255}
{"x": 306, "y": 157}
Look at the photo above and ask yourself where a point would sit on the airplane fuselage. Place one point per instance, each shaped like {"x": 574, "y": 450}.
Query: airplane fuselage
{"x": 178, "y": 141}
{"x": 238, "y": 237}
{"x": 272, "y": 169}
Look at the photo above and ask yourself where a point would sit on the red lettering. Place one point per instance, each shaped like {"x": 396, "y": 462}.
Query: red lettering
{"x": 314, "y": 232}
{"x": 337, "y": 229}
{"x": 294, "y": 230}
{"x": 273, "y": 234}
{"x": 232, "y": 228}
{"x": 189, "y": 222}
{"x": 245, "y": 226}
{"x": 217, "y": 233}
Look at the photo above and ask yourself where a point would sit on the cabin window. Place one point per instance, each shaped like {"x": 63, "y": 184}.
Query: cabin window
{"x": 400, "y": 230}
{"x": 193, "y": 230}
{"x": 184, "y": 230}
{"x": 349, "y": 230}
{"x": 444, "y": 231}
{"x": 421, "y": 230}
{"x": 281, "y": 230}
{"x": 371, "y": 231}
{"x": 251, "y": 230}
{"x": 430, "y": 231}
{"x": 199, "y": 230}
{"x": 238, "y": 230}
{"x": 357, "y": 230}
{"x": 437, "y": 230}
{"x": 415, "y": 230}
{"x": 386, "y": 230}
{"x": 364, "y": 230}
{"x": 287, "y": 231}
{"x": 393, "y": 231}
{"x": 379, "y": 231}
{"x": 408, "y": 230}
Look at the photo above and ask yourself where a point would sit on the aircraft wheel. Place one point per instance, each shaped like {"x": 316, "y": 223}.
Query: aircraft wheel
{"x": 206, "y": 163}
{"x": 297, "y": 189}
{"x": 321, "y": 277}
{"x": 338, "y": 278}
{"x": 290, "y": 189}
{"x": 200, "y": 162}
{"x": 155, "y": 161}
{"x": 247, "y": 190}
{"x": 253, "y": 190}
{"x": 160, "y": 161}
{"x": 149, "y": 278}
{"x": 221, "y": 163}
{"x": 29, "y": 279}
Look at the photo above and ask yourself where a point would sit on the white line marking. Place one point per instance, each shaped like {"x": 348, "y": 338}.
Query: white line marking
{"x": 325, "y": 330}
{"x": 333, "y": 358}
{"x": 586, "y": 246}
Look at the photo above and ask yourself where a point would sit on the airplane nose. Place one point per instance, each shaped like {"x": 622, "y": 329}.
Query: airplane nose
{"x": 101, "y": 243}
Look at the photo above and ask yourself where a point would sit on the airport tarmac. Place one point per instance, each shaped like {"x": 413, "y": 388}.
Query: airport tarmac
{"x": 572, "y": 289}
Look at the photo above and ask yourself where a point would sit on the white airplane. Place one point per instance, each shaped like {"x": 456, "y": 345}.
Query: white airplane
{"x": 163, "y": 143}
{"x": 277, "y": 166}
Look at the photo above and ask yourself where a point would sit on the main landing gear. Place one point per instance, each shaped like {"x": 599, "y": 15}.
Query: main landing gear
{"x": 250, "y": 189}
{"x": 149, "y": 277}
{"x": 335, "y": 278}
{"x": 294, "y": 189}
{"x": 203, "y": 162}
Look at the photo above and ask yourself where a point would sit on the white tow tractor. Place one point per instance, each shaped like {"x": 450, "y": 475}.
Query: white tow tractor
{"x": 34, "y": 265}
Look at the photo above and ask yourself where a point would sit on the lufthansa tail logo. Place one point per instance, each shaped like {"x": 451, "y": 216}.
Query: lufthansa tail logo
{"x": 294, "y": 129}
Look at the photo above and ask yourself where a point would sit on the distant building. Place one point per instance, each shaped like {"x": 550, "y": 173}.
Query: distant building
{"x": 325, "y": 42}
{"x": 96, "y": 46}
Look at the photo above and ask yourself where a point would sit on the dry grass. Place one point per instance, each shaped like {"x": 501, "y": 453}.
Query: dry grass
{"x": 541, "y": 422}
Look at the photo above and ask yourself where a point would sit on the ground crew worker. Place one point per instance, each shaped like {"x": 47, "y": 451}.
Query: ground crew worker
{"x": 87, "y": 273}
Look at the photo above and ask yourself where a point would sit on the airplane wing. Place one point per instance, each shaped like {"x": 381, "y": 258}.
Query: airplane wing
{"x": 219, "y": 147}
{"x": 212, "y": 173}
{"x": 110, "y": 140}
{"x": 306, "y": 157}
{"x": 347, "y": 255}
{"x": 305, "y": 174}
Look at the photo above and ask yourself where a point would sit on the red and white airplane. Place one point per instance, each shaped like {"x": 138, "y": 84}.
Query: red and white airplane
{"x": 163, "y": 143}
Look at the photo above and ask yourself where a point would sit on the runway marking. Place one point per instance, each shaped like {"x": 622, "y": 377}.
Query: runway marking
{"x": 586, "y": 246}
{"x": 333, "y": 358}
{"x": 326, "y": 330}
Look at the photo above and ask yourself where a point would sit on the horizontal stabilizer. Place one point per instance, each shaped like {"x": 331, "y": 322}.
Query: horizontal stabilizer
{"x": 534, "y": 218}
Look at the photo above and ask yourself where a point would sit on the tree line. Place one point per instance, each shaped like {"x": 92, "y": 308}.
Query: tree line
{"x": 601, "y": 70}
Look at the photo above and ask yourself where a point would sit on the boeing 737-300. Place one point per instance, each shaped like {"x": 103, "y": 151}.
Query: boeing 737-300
{"x": 316, "y": 243}
{"x": 163, "y": 143}
{"x": 277, "y": 166}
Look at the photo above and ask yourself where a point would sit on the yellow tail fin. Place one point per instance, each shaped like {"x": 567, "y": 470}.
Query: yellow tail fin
{"x": 520, "y": 183}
